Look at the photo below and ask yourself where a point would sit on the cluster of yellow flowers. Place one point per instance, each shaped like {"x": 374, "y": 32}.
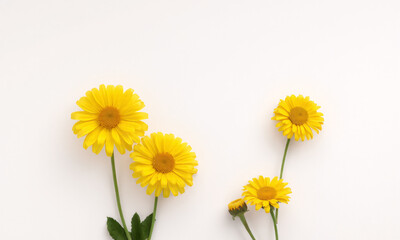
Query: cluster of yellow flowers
{"x": 297, "y": 116}
{"x": 111, "y": 117}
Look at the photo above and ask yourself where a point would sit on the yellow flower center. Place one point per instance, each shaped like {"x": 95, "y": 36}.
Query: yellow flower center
{"x": 266, "y": 193}
{"x": 109, "y": 117}
{"x": 235, "y": 204}
{"x": 164, "y": 162}
{"x": 298, "y": 115}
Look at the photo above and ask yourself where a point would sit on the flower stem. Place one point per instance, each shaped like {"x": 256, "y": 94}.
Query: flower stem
{"x": 282, "y": 166}
{"x": 153, "y": 219}
{"x": 118, "y": 199}
{"x": 284, "y": 157}
{"x": 243, "y": 219}
{"x": 275, "y": 227}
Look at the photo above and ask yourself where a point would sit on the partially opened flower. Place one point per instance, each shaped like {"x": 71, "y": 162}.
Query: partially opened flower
{"x": 237, "y": 207}
{"x": 164, "y": 164}
{"x": 263, "y": 193}
{"x": 298, "y": 116}
{"x": 110, "y": 117}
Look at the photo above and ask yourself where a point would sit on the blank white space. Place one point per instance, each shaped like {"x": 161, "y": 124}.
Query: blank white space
{"x": 210, "y": 72}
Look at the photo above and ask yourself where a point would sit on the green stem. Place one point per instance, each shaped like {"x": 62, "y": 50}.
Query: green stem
{"x": 118, "y": 199}
{"x": 282, "y": 166}
{"x": 153, "y": 219}
{"x": 243, "y": 219}
{"x": 275, "y": 227}
{"x": 284, "y": 157}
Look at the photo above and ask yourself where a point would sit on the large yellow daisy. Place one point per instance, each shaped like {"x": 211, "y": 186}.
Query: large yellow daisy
{"x": 164, "y": 164}
{"x": 110, "y": 117}
{"x": 298, "y": 116}
{"x": 263, "y": 192}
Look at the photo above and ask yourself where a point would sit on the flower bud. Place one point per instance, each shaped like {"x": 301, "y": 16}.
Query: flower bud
{"x": 237, "y": 207}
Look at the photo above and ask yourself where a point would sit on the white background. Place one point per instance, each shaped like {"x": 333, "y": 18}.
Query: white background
{"x": 210, "y": 72}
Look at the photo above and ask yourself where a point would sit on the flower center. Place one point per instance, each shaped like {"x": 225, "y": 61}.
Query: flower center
{"x": 266, "y": 193}
{"x": 109, "y": 117}
{"x": 163, "y": 162}
{"x": 298, "y": 115}
{"x": 237, "y": 201}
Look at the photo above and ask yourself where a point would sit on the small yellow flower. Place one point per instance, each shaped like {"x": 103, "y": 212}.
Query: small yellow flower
{"x": 298, "y": 116}
{"x": 262, "y": 192}
{"x": 110, "y": 117}
{"x": 164, "y": 164}
{"x": 237, "y": 207}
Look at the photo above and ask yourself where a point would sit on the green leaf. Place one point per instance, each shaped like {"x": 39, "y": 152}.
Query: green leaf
{"x": 136, "y": 231}
{"x": 115, "y": 229}
{"x": 146, "y": 224}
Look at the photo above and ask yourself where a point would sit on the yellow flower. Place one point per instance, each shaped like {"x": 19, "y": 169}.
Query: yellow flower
{"x": 110, "y": 116}
{"x": 237, "y": 207}
{"x": 297, "y": 116}
{"x": 262, "y": 192}
{"x": 163, "y": 163}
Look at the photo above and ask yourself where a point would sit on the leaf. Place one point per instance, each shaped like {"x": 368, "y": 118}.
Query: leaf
{"x": 136, "y": 231}
{"x": 146, "y": 225}
{"x": 115, "y": 229}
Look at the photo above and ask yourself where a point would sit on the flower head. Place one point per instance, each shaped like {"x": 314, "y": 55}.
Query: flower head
{"x": 164, "y": 164}
{"x": 262, "y": 192}
{"x": 237, "y": 207}
{"x": 110, "y": 117}
{"x": 298, "y": 116}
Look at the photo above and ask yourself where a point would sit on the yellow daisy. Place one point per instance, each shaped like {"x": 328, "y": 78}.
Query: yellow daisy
{"x": 297, "y": 116}
{"x": 262, "y": 192}
{"x": 163, "y": 163}
{"x": 110, "y": 117}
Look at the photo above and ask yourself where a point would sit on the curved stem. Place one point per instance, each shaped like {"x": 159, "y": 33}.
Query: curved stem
{"x": 282, "y": 166}
{"x": 284, "y": 157}
{"x": 153, "y": 219}
{"x": 118, "y": 199}
{"x": 243, "y": 219}
{"x": 275, "y": 227}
